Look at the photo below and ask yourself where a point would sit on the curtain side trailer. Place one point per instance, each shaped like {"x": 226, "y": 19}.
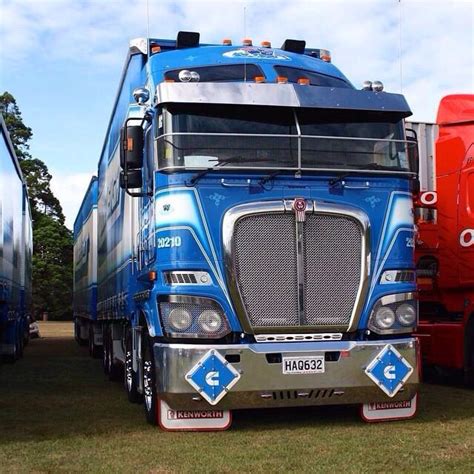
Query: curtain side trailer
{"x": 15, "y": 253}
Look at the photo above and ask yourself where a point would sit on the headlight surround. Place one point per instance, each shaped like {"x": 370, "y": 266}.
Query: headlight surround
{"x": 193, "y": 317}
{"x": 394, "y": 314}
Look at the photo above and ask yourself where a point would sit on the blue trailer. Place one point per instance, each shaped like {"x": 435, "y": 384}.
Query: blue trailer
{"x": 255, "y": 235}
{"x": 86, "y": 329}
{"x": 15, "y": 253}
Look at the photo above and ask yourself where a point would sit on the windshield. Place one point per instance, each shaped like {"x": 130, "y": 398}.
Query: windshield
{"x": 205, "y": 136}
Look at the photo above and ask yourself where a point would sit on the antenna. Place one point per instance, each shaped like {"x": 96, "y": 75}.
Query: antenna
{"x": 400, "y": 43}
{"x": 147, "y": 27}
{"x": 245, "y": 36}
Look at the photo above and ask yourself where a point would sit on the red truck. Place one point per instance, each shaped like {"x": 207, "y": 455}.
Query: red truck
{"x": 445, "y": 240}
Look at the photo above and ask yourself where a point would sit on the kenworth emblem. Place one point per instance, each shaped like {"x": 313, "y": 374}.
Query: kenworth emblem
{"x": 299, "y": 206}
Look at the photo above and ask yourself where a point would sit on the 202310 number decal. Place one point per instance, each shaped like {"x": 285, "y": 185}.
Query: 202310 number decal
{"x": 168, "y": 242}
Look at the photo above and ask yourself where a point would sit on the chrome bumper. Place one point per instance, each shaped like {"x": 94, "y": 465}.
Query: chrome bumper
{"x": 263, "y": 385}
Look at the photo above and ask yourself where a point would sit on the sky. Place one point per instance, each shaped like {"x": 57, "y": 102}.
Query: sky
{"x": 62, "y": 59}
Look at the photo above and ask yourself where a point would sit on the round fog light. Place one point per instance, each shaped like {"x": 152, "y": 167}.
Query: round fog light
{"x": 406, "y": 314}
{"x": 384, "y": 317}
{"x": 210, "y": 321}
{"x": 179, "y": 319}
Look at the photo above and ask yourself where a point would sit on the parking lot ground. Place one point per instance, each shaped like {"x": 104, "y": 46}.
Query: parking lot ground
{"x": 58, "y": 412}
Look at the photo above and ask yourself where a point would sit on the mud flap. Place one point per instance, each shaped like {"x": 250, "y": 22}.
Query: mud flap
{"x": 192, "y": 420}
{"x": 389, "y": 411}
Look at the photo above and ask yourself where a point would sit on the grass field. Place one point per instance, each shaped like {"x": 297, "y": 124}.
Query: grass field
{"x": 59, "y": 413}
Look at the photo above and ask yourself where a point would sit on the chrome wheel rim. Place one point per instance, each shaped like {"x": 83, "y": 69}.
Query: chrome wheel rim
{"x": 147, "y": 384}
{"x": 128, "y": 370}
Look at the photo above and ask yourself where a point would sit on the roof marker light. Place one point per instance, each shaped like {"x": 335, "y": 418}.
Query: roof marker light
{"x": 169, "y": 80}
{"x": 247, "y": 42}
{"x": 367, "y": 85}
{"x": 227, "y": 42}
{"x": 282, "y": 80}
{"x": 325, "y": 55}
{"x": 259, "y": 79}
{"x": 155, "y": 48}
{"x": 266, "y": 44}
{"x": 303, "y": 81}
{"x": 377, "y": 86}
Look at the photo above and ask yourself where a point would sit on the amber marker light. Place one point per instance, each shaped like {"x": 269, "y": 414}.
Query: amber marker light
{"x": 303, "y": 81}
{"x": 227, "y": 42}
{"x": 259, "y": 79}
{"x": 155, "y": 49}
{"x": 266, "y": 44}
{"x": 282, "y": 80}
{"x": 246, "y": 42}
{"x": 152, "y": 276}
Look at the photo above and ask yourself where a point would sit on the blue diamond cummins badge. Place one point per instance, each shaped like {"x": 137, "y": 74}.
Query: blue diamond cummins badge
{"x": 213, "y": 377}
{"x": 389, "y": 370}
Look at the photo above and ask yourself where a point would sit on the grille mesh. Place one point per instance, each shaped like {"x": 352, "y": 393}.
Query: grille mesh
{"x": 332, "y": 269}
{"x": 266, "y": 269}
{"x": 266, "y": 266}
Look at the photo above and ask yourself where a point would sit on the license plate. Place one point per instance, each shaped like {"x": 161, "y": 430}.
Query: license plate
{"x": 303, "y": 365}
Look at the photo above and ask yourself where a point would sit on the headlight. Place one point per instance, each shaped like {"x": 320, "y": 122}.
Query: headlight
{"x": 393, "y": 314}
{"x": 210, "y": 321}
{"x": 179, "y": 319}
{"x": 406, "y": 314}
{"x": 193, "y": 317}
{"x": 384, "y": 317}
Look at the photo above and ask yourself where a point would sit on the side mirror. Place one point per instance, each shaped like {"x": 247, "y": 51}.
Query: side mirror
{"x": 131, "y": 179}
{"x": 132, "y": 147}
{"x": 412, "y": 150}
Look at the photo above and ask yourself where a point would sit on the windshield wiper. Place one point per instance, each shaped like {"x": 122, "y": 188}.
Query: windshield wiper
{"x": 233, "y": 159}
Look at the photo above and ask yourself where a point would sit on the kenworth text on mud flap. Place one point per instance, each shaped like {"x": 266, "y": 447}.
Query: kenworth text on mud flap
{"x": 16, "y": 246}
{"x": 445, "y": 241}
{"x": 255, "y": 235}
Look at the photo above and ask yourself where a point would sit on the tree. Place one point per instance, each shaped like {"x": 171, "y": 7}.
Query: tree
{"x": 52, "y": 240}
{"x": 20, "y": 134}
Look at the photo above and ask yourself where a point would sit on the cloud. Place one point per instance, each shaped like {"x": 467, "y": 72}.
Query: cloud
{"x": 72, "y": 45}
{"x": 70, "y": 190}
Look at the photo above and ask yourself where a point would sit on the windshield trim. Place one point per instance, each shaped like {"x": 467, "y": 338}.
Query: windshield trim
{"x": 225, "y": 167}
{"x": 283, "y": 135}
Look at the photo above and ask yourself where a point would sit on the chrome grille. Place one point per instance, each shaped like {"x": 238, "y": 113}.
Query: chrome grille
{"x": 265, "y": 264}
{"x": 332, "y": 269}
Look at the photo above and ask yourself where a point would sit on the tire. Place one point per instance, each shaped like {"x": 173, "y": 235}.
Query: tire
{"x": 95, "y": 351}
{"x": 105, "y": 350}
{"x": 77, "y": 332}
{"x": 469, "y": 354}
{"x": 130, "y": 377}
{"x": 149, "y": 382}
{"x": 114, "y": 368}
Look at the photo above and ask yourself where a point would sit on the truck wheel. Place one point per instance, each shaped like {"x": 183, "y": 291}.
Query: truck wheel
{"x": 77, "y": 334}
{"x": 105, "y": 351}
{"x": 469, "y": 354}
{"x": 114, "y": 368}
{"x": 149, "y": 381}
{"x": 131, "y": 377}
{"x": 95, "y": 351}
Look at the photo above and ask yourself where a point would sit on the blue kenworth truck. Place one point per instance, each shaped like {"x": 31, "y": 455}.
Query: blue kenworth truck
{"x": 255, "y": 236}
{"x": 15, "y": 253}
